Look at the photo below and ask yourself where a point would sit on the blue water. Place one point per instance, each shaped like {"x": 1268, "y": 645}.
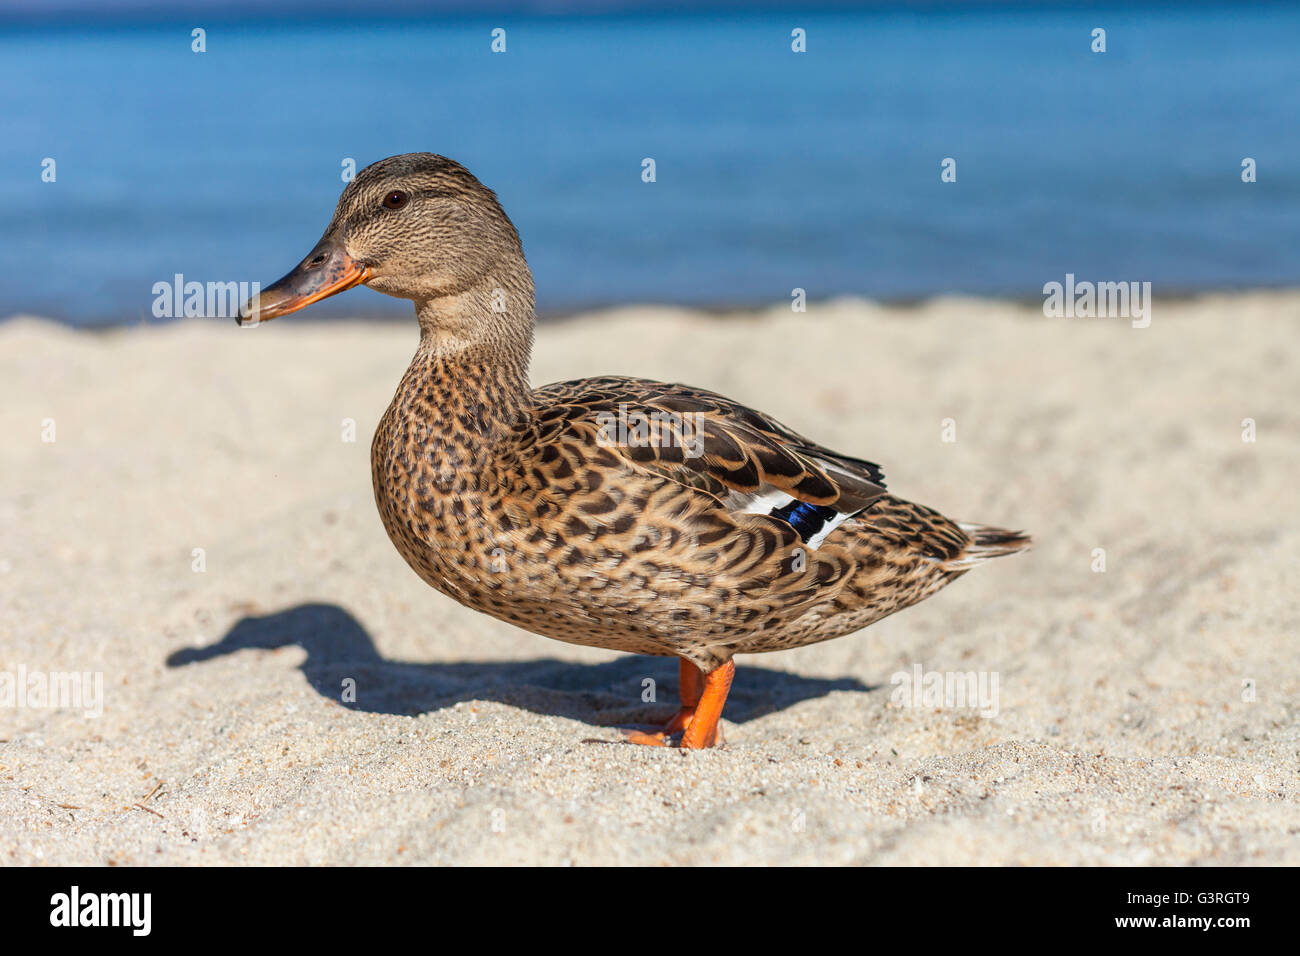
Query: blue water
{"x": 774, "y": 169}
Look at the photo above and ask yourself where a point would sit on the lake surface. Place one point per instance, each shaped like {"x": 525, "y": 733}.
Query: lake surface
{"x": 774, "y": 169}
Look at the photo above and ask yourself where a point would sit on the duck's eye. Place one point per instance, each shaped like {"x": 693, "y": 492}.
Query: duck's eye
{"x": 396, "y": 199}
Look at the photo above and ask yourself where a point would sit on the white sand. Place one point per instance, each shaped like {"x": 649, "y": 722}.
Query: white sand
{"x": 1122, "y": 735}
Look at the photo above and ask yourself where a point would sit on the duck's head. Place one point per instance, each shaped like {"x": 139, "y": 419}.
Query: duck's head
{"x": 417, "y": 226}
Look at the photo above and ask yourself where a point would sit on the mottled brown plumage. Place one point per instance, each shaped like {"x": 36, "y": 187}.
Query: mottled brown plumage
{"x": 613, "y": 512}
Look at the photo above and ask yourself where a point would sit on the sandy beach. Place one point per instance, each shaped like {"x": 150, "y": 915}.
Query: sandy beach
{"x": 186, "y": 511}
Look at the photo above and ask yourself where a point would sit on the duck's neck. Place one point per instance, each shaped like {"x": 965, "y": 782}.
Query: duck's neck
{"x": 467, "y": 385}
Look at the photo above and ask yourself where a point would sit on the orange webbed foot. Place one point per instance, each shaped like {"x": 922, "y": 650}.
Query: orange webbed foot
{"x": 703, "y": 698}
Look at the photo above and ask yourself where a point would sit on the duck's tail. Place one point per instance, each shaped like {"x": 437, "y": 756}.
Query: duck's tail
{"x": 986, "y": 542}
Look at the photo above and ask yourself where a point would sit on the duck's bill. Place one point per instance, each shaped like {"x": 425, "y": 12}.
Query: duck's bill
{"x": 326, "y": 271}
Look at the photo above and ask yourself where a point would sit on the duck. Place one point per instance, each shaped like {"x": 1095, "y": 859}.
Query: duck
{"x": 614, "y": 512}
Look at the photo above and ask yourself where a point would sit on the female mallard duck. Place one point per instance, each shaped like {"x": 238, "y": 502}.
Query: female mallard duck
{"x": 613, "y": 512}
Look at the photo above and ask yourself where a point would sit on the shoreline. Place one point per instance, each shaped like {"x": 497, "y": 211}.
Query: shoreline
{"x": 332, "y": 314}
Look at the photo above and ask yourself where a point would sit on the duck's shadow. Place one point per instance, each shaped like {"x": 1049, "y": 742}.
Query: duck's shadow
{"x": 342, "y": 655}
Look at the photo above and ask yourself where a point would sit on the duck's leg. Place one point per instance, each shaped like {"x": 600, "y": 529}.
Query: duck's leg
{"x": 690, "y": 686}
{"x": 702, "y": 731}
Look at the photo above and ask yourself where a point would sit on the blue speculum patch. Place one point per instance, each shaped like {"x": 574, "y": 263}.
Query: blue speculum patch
{"x": 806, "y": 519}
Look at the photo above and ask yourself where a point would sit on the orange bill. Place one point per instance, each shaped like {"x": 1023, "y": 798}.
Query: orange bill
{"x": 327, "y": 270}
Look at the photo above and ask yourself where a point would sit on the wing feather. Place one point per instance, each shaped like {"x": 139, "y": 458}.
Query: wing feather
{"x": 707, "y": 441}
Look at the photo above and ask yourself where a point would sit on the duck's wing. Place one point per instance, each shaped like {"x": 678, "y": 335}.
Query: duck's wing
{"x": 748, "y": 460}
